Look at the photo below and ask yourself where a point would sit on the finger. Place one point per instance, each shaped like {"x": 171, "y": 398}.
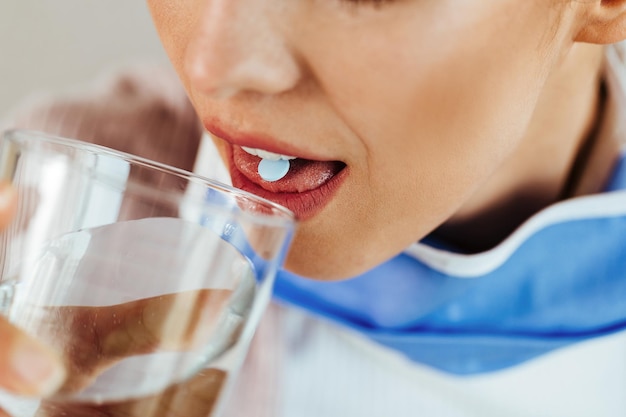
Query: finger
{"x": 94, "y": 338}
{"x": 3, "y": 413}
{"x": 194, "y": 398}
{"x": 26, "y": 366}
{"x": 8, "y": 203}
{"x": 170, "y": 322}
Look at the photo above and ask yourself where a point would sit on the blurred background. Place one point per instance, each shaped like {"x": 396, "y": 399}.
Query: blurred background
{"x": 57, "y": 45}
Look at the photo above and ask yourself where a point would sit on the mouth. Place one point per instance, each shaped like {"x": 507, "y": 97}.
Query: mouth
{"x": 308, "y": 185}
{"x": 306, "y": 188}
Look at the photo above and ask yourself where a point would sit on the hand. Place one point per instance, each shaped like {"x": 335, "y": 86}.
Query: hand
{"x": 26, "y": 366}
{"x": 93, "y": 339}
{"x": 144, "y": 112}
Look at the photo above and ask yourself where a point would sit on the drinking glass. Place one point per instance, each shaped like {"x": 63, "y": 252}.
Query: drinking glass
{"x": 147, "y": 280}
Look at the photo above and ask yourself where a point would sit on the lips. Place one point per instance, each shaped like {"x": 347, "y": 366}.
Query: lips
{"x": 306, "y": 189}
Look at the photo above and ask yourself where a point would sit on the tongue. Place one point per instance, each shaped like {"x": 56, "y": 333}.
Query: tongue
{"x": 304, "y": 175}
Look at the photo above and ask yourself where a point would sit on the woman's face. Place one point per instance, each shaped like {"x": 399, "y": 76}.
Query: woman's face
{"x": 407, "y": 106}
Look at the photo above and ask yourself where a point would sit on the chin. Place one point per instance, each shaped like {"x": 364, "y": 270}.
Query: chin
{"x": 317, "y": 270}
{"x": 324, "y": 262}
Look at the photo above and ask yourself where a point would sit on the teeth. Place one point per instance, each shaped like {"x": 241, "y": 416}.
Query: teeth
{"x": 266, "y": 154}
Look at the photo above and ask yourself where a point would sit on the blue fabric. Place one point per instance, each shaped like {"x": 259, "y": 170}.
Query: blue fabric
{"x": 564, "y": 284}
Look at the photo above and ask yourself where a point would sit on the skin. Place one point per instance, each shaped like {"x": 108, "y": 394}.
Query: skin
{"x": 442, "y": 110}
{"x": 92, "y": 340}
{"x": 438, "y": 108}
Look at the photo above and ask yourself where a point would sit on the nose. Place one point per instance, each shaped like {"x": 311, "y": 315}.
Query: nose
{"x": 237, "y": 46}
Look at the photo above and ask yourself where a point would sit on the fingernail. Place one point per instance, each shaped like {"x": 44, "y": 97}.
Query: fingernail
{"x": 40, "y": 372}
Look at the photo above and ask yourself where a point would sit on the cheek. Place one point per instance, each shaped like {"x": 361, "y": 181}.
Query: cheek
{"x": 440, "y": 117}
{"x": 175, "y": 22}
{"x": 436, "y": 121}
{"x": 442, "y": 83}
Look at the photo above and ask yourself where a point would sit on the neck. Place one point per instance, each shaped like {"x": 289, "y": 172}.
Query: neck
{"x": 543, "y": 166}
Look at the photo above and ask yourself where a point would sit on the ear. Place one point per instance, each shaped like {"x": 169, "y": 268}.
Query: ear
{"x": 602, "y": 21}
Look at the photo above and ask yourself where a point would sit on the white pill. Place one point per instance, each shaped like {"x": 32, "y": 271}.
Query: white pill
{"x": 273, "y": 170}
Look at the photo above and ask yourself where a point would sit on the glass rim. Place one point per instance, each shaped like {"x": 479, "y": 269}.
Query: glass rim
{"x": 286, "y": 216}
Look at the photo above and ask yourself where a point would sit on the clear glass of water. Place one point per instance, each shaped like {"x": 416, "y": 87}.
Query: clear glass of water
{"x": 147, "y": 280}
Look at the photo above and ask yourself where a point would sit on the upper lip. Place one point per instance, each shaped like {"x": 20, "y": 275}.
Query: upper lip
{"x": 259, "y": 141}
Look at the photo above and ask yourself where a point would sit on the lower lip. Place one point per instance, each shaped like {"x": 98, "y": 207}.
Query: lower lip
{"x": 304, "y": 205}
